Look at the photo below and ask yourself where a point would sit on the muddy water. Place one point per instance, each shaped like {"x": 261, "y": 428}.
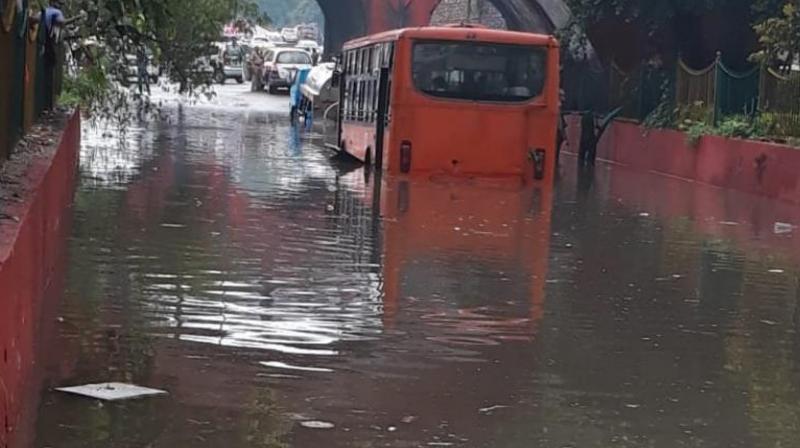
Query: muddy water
{"x": 285, "y": 300}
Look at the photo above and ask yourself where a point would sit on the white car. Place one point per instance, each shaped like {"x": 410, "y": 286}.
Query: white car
{"x": 309, "y": 46}
{"x": 290, "y": 34}
{"x": 280, "y": 67}
{"x": 132, "y": 69}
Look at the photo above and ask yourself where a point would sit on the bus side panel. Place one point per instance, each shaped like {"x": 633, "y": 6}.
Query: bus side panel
{"x": 543, "y": 124}
{"x": 359, "y": 138}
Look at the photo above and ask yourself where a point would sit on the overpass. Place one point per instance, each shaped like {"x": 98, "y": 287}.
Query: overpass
{"x": 345, "y": 19}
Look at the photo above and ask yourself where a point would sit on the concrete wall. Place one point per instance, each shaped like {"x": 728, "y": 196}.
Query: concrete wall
{"x": 31, "y": 258}
{"x": 761, "y": 168}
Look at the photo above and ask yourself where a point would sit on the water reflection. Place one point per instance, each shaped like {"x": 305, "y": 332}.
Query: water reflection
{"x": 284, "y": 301}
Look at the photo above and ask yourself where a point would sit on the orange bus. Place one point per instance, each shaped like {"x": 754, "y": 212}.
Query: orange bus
{"x": 452, "y": 100}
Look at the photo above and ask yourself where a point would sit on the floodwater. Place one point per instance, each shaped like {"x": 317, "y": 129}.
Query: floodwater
{"x": 287, "y": 300}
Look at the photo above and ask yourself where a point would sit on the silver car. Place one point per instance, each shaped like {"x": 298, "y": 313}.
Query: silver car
{"x": 281, "y": 65}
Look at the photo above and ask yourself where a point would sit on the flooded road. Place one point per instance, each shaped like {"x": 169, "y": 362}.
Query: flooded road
{"x": 287, "y": 300}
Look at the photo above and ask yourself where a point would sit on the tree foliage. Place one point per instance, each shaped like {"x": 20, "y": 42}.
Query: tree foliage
{"x": 176, "y": 32}
{"x": 286, "y": 13}
{"x": 776, "y": 23}
{"x": 653, "y": 13}
{"x": 779, "y": 35}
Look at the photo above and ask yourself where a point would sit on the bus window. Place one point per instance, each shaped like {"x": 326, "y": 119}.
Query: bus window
{"x": 479, "y": 71}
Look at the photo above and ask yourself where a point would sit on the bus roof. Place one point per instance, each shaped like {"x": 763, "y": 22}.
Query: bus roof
{"x": 456, "y": 32}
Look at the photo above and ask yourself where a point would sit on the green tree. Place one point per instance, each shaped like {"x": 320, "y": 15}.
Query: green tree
{"x": 287, "y": 13}
{"x": 779, "y": 34}
{"x": 176, "y": 32}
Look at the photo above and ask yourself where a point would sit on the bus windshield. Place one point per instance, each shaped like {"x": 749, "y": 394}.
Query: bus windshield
{"x": 479, "y": 71}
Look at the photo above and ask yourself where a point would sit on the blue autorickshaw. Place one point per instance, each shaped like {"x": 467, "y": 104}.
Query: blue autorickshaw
{"x": 296, "y": 96}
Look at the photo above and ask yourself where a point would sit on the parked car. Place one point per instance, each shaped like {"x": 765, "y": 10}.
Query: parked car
{"x": 312, "y": 47}
{"x": 290, "y": 35}
{"x": 280, "y": 67}
{"x": 132, "y": 69}
{"x": 309, "y": 31}
{"x": 227, "y": 63}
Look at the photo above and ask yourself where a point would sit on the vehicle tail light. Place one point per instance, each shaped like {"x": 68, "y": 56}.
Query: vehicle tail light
{"x": 405, "y": 156}
{"x": 538, "y": 158}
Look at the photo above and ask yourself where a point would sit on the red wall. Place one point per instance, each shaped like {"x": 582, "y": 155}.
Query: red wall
{"x": 31, "y": 251}
{"x": 765, "y": 169}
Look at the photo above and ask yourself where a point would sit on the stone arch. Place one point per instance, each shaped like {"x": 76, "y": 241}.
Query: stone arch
{"x": 344, "y": 20}
{"x": 540, "y": 16}
{"x": 475, "y": 11}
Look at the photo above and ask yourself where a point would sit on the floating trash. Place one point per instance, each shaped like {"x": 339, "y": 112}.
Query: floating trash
{"x": 283, "y": 365}
{"x": 489, "y": 409}
{"x": 317, "y": 424}
{"x": 112, "y": 391}
{"x": 783, "y": 228}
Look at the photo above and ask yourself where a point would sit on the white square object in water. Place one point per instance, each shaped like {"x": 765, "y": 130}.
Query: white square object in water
{"x": 112, "y": 391}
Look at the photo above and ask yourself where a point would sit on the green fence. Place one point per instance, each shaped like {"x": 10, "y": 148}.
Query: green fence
{"x": 696, "y": 91}
{"x": 715, "y": 91}
{"x": 30, "y": 72}
{"x": 779, "y": 97}
{"x": 709, "y": 94}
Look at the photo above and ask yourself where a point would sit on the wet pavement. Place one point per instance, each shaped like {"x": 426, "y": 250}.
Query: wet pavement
{"x": 285, "y": 299}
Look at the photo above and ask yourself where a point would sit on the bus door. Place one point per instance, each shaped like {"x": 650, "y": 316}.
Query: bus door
{"x": 382, "y": 115}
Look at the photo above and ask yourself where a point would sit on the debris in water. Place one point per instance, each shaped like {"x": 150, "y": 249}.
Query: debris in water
{"x": 644, "y": 215}
{"x": 112, "y": 391}
{"x": 729, "y": 223}
{"x": 769, "y": 322}
{"x": 776, "y": 271}
{"x": 317, "y": 424}
{"x": 283, "y": 365}
{"x": 783, "y": 227}
{"x": 491, "y": 408}
{"x": 633, "y": 406}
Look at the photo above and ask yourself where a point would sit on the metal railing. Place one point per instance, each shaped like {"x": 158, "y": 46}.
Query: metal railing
{"x": 30, "y": 74}
{"x": 710, "y": 94}
{"x": 779, "y": 97}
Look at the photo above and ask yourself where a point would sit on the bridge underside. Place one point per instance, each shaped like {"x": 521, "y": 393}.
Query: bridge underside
{"x": 345, "y": 19}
